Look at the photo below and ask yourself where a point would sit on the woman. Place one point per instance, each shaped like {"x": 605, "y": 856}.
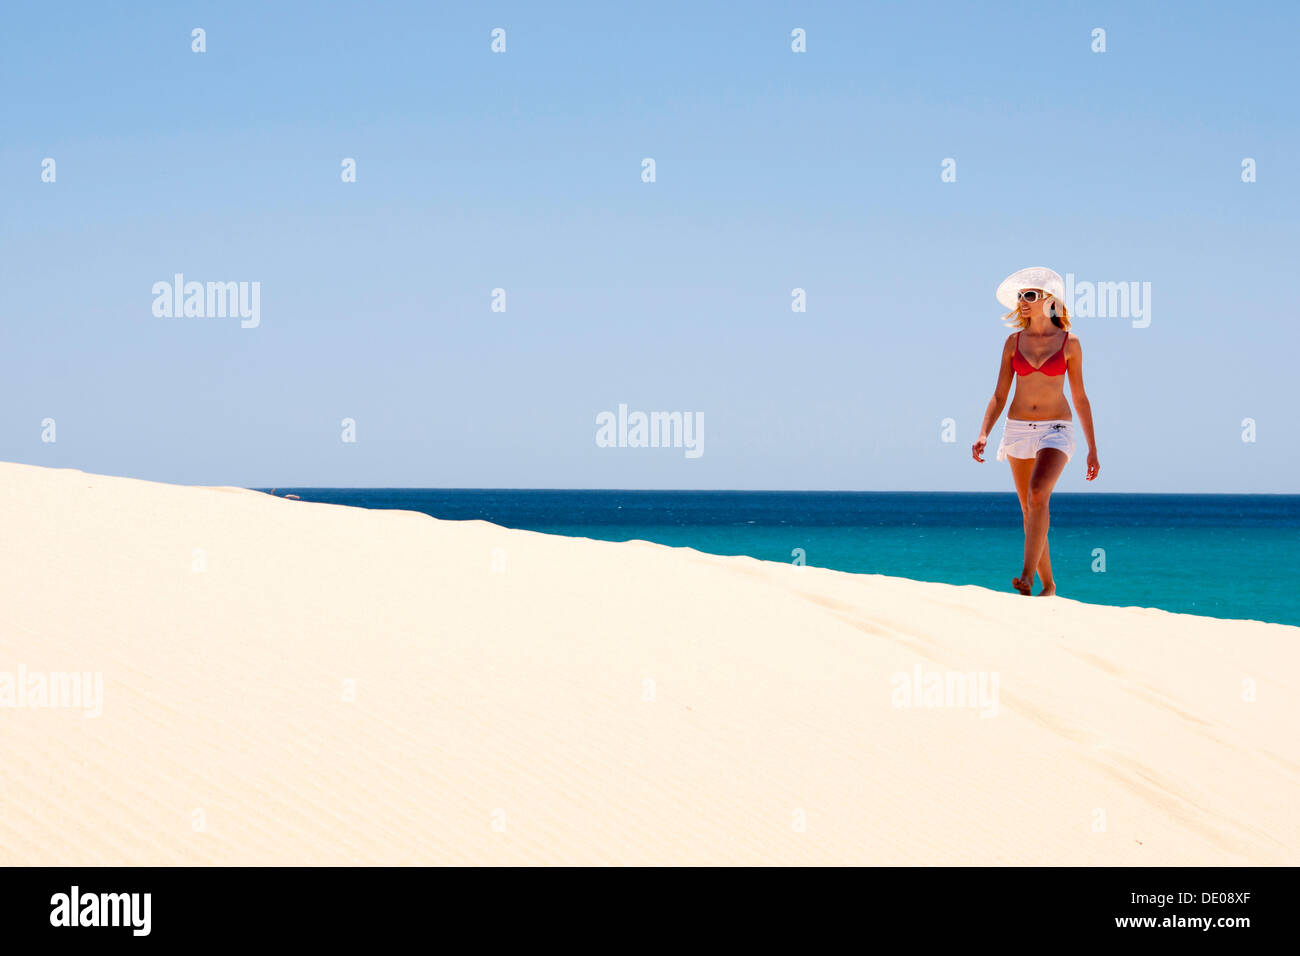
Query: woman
{"x": 1038, "y": 438}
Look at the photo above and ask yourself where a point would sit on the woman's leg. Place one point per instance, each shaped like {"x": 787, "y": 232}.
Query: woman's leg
{"x": 1042, "y": 479}
{"x": 1045, "y": 571}
{"x": 1021, "y": 469}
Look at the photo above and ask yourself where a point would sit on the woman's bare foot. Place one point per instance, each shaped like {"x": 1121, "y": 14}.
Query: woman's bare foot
{"x": 1049, "y": 590}
{"x": 1024, "y": 587}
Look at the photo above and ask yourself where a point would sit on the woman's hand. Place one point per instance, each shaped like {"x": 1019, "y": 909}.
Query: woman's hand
{"x": 977, "y": 449}
{"x": 1093, "y": 465}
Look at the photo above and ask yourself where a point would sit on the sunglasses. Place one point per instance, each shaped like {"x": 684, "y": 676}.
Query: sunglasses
{"x": 1031, "y": 295}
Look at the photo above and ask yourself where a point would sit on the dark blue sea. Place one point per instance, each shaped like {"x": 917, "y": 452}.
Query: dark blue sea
{"x": 1231, "y": 556}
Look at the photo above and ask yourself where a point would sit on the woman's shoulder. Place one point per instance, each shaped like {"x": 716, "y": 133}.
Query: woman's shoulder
{"x": 1071, "y": 347}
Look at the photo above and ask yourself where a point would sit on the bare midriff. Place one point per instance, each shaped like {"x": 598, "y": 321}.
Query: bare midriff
{"x": 1039, "y": 397}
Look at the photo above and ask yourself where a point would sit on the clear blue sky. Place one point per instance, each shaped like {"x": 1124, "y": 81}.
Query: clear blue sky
{"x": 522, "y": 170}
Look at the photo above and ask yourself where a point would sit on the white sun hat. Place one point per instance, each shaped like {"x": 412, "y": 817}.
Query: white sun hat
{"x": 1035, "y": 277}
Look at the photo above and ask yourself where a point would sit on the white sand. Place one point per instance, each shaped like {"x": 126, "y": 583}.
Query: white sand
{"x": 500, "y": 716}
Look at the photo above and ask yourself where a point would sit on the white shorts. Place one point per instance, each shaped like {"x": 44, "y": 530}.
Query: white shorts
{"x": 1021, "y": 439}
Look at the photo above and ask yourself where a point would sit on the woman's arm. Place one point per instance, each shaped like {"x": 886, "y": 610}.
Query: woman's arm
{"x": 1082, "y": 407}
{"x": 999, "y": 400}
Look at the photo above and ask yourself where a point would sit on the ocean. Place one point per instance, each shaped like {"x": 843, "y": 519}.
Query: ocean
{"x": 1229, "y": 556}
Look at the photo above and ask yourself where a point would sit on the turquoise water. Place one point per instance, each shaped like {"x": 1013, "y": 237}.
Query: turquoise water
{"x": 1232, "y": 556}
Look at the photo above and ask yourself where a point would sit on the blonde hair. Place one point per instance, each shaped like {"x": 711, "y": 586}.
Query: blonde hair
{"x": 1058, "y": 313}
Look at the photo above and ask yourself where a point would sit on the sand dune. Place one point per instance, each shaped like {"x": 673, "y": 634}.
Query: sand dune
{"x": 293, "y": 683}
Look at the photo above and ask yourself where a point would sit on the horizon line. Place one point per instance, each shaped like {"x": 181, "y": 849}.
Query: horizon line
{"x": 759, "y": 491}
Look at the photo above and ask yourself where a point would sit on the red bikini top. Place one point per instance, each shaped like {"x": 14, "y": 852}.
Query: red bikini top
{"x": 1053, "y": 366}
